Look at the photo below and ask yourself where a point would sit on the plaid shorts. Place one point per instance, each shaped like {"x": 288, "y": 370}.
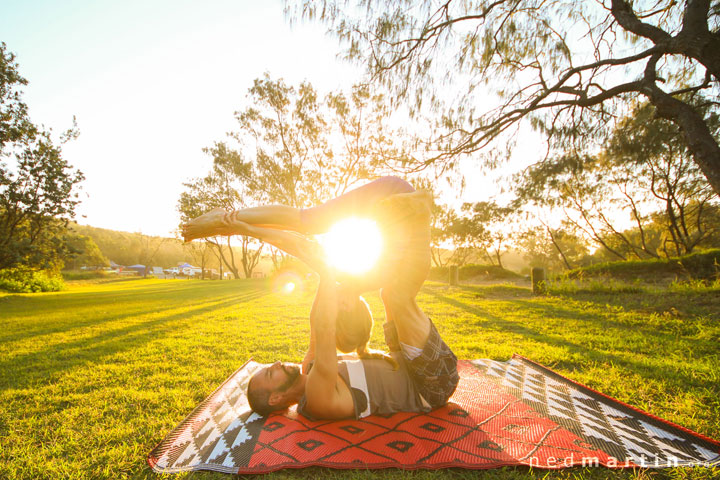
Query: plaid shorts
{"x": 434, "y": 372}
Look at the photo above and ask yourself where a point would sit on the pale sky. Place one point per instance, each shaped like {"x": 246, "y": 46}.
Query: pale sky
{"x": 152, "y": 83}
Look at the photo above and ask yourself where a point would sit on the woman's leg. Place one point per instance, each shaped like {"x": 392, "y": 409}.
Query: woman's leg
{"x": 360, "y": 201}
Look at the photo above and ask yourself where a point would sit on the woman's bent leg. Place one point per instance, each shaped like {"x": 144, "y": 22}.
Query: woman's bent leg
{"x": 359, "y": 201}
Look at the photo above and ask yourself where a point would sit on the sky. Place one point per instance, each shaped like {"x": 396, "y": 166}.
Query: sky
{"x": 153, "y": 83}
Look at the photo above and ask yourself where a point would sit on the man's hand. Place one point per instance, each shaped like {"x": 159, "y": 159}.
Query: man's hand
{"x": 309, "y": 357}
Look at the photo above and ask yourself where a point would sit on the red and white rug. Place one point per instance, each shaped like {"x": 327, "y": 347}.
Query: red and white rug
{"x": 513, "y": 413}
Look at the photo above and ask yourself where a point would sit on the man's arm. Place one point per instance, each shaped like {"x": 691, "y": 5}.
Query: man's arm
{"x": 324, "y": 399}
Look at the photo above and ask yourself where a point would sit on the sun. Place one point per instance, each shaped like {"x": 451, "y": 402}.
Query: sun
{"x": 353, "y": 245}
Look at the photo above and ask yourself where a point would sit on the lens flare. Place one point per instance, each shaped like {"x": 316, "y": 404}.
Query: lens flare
{"x": 353, "y": 245}
{"x": 287, "y": 282}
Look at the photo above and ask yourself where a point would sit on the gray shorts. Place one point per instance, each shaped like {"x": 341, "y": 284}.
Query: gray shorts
{"x": 434, "y": 372}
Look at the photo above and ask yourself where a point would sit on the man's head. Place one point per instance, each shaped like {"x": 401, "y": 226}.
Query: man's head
{"x": 275, "y": 387}
{"x": 353, "y": 325}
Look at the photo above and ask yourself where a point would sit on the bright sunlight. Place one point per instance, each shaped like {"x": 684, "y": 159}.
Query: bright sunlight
{"x": 353, "y": 245}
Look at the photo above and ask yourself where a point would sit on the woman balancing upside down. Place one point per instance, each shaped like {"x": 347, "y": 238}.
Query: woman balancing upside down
{"x": 422, "y": 373}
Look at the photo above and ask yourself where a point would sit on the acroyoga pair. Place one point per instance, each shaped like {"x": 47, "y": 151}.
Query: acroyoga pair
{"x": 419, "y": 373}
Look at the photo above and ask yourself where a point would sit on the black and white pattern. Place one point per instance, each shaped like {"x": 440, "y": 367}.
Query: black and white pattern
{"x": 621, "y": 431}
{"x": 217, "y": 435}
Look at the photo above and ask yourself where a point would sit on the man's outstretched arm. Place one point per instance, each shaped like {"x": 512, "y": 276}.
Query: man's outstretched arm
{"x": 324, "y": 399}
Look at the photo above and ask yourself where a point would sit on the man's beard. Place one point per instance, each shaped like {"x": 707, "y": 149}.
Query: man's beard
{"x": 293, "y": 373}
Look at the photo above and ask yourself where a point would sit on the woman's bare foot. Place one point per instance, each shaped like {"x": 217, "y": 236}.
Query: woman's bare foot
{"x": 403, "y": 207}
{"x": 209, "y": 224}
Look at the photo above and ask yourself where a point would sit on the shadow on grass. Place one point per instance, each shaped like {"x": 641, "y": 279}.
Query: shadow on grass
{"x": 658, "y": 372}
{"x": 43, "y": 365}
{"x": 43, "y": 309}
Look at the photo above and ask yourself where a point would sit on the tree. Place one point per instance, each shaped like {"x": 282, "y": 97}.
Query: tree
{"x": 223, "y": 187}
{"x": 306, "y": 149}
{"x": 201, "y": 253}
{"x": 653, "y": 152}
{"x": 644, "y": 174}
{"x": 552, "y": 248}
{"x": 567, "y": 67}
{"x": 38, "y": 189}
{"x": 441, "y": 221}
{"x": 81, "y": 250}
{"x": 488, "y": 229}
{"x": 294, "y": 148}
{"x": 149, "y": 248}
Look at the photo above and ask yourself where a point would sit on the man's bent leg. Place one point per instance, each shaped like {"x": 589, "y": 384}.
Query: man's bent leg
{"x": 320, "y": 218}
{"x": 431, "y": 363}
{"x": 359, "y": 201}
{"x": 433, "y": 369}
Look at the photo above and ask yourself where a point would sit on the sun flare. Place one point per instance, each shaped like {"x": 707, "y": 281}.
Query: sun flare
{"x": 353, "y": 245}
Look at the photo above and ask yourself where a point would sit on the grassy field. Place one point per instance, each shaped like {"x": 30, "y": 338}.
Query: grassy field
{"x": 93, "y": 377}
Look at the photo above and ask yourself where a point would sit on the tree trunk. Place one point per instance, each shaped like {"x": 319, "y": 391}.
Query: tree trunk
{"x": 700, "y": 141}
{"x": 557, "y": 247}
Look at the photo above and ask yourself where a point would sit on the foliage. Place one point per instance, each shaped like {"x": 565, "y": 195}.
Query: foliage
{"x": 699, "y": 265}
{"x": 645, "y": 172}
{"x": 70, "y": 275}
{"x": 565, "y": 286}
{"x": 474, "y": 272}
{"x": 568, "y": 68}
{"x": 552, "y": 249}
{"x": 306, "y": 149}
{"x": 695, "y": 286}
{"x": 26, "y": 280}
{"x": 125, "y": 248}
{"x": 442, "y": 219}
{"x": 38, "y": 193}
{"x": 224, "y": 187}
{"x": 81, "y": 250}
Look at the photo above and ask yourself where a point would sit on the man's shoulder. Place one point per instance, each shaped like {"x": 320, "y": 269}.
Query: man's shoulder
{"x": 320, "y": 405}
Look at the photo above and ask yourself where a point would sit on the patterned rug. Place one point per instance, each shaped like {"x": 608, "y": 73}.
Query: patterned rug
{"x": 513, "y": 413}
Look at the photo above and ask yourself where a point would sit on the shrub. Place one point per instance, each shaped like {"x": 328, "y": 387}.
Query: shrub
{"x": 27, "y": 280}
{"x": 703, "y": 265}
{"x": 84, "y": 275}
{"x": 466, "y": 272}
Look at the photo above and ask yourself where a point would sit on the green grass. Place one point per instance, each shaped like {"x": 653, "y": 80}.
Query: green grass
{"x": 91, "y": 378}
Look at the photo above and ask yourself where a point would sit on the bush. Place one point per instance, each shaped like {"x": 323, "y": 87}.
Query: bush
{"x": 467, "y": 272}
{"x": 84, "y": 274}
{"x": 702, "y": 265}
{"x": 27, "y": 280}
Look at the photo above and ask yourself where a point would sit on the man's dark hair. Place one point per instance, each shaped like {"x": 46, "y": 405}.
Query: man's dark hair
{"x": 259, "y": 399}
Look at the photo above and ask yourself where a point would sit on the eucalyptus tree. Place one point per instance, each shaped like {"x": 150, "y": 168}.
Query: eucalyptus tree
{"x": 38, "y": 186}
{"x": 569, "y": 68}
{"x": 641, "y": 195}
{"x": 225, "y": 186}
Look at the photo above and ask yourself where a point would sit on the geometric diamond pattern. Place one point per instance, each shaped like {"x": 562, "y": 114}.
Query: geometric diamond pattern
{"x": 503, "y": 413}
